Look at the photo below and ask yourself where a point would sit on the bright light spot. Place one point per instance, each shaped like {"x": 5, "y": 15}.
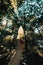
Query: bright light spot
{"x": 0, "y": 1}
{"x": 4, "y": 21}
{"x": 9, "y": 30}
{"x": 40, "y": 43}
{"x": 33, "y": 3}
{"x": 23, "y": 63}
{"x": 8, "y": 37}
{"x": 9, "y": 23}
{"x": 14, "y": 5}
{"x": 0, "y": 33}
{"x": 20, "y": 32}
{"x": 41, "y": 29}
{"x": 36, "y": 31}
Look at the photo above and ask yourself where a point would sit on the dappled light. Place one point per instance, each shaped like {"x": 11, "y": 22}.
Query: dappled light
{"x": 21, "y": 32}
